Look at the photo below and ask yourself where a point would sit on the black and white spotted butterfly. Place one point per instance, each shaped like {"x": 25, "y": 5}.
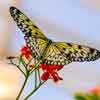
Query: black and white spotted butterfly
{"x": 53, "y": 53}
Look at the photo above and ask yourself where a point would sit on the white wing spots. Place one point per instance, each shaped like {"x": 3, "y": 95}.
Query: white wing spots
{"x": 54, "y": 57}
{"x": 36, "y": 45}
{"x": 57, "y": 53}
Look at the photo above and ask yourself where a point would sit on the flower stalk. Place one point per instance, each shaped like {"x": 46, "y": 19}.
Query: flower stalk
{"x": 23, "y": 86}
{"x": 27, "y": 61}
{"x": 34, "y": 90}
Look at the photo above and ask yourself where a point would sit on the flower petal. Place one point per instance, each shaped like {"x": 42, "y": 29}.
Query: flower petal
{"x": 45, "y": 76}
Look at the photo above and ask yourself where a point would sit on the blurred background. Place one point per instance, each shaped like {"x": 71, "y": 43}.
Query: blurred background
{"x": 75, "y": 21}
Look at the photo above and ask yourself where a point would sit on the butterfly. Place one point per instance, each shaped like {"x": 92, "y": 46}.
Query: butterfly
{"x": 50, "y": 52}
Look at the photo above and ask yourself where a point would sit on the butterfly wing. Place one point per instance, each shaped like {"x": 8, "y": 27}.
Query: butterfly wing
{"x": 78, "y": 52}
{"x": 34, "y": 38}
{"x": 63, "y": 53}
{"x": 36, "y": 45}
{"x": 56, "y": 53}
{"x": 25, "y": 24}
{"x": 54, "y": 56}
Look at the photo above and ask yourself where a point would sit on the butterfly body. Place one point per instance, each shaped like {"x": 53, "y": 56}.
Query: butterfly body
{"x": 48, "y": 51}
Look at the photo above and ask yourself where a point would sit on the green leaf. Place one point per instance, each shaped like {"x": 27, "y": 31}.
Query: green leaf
{"x": 79, "y": 97}
{"x": 94, "y": 97}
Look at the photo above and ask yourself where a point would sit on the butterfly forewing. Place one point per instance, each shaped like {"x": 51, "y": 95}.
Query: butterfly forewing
{"x": 78, "y": 52}
{"x": 34, "y": 38}
{"x": 25, "y": 24}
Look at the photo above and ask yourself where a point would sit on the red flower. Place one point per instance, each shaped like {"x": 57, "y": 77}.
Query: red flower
{"x": 50, "y": 71}
{"x": 26, "y": 52}
{"x": 95, "y": 90}
{"x": 45, "y": 76}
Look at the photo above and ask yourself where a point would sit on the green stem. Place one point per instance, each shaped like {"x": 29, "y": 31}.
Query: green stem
{"x": 21, "y": 70}
{"x": 18, "y": 68}
{"x": 29, "y": 62}
{"x": 36, "y": 67}
{"x": 35, "y": 79}
{"x": 39, "y": 76}
{"x": 22, "y": 61}
{"x": 19, "y": 94}
{"x": 34, "y": 90}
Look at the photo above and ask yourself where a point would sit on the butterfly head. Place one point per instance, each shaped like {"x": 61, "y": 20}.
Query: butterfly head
{"x": 50, "y": 41}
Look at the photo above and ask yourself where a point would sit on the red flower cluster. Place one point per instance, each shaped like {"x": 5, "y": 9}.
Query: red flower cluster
{"x": 50, "y": 71}
{"x": 26, "y": 52}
